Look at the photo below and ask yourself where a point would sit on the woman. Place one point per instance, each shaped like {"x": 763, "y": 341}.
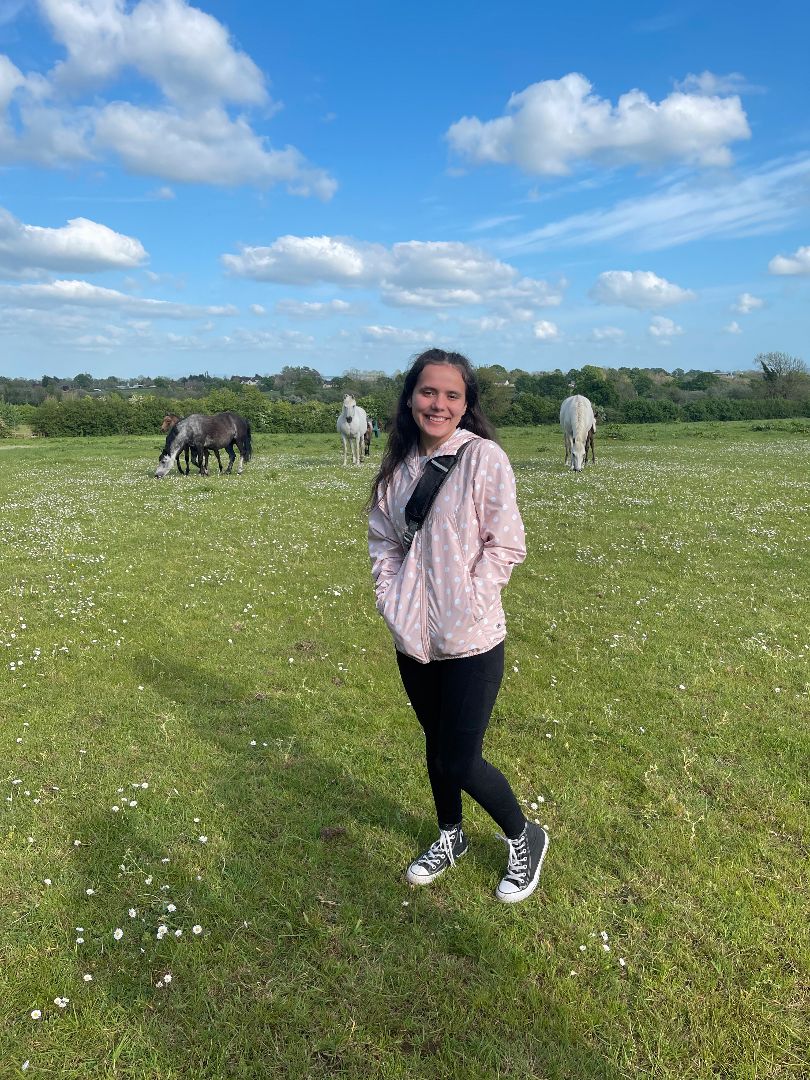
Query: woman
{"x": 442, "y": 603}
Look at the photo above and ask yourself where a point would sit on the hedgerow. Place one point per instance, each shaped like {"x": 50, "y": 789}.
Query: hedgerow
{"x": 115, "y": 415}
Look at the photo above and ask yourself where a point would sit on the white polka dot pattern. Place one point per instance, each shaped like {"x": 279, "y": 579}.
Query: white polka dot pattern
{"x": 443, "y": 598}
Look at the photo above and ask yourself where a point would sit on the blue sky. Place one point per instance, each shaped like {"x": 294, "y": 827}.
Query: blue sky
{"x": 233, "y": 187}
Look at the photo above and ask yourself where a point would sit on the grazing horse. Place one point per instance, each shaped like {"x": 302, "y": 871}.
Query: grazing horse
{"x": 351, "y": 425}
{"x": 203, "y": 434}
{"x": 169, "y": 420}
{"x": 590, "y": 441}
{"x": 579, "y": 428}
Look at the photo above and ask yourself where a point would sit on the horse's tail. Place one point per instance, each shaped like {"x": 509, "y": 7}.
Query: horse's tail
{"x": 248, "y": 448}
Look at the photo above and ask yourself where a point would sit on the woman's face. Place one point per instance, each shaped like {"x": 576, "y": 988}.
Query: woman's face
{"x": 437, "y": 404}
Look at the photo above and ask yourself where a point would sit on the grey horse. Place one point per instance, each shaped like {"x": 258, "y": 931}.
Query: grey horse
{"x": 206, "y": 433}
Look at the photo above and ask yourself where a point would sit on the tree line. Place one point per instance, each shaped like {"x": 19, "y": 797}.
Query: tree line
{"x": 300, "y": 399}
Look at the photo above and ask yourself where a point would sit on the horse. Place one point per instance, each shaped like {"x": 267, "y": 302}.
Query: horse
{"x": 205, "y": 433}
{"x": 590, "y": 442}
{"x": 579, "y": 429}
{"x": 168, "y": 422}
{"x": 351, "y": 425}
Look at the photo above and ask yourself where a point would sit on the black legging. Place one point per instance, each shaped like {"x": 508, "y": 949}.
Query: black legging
{"x": 453, "y": 701}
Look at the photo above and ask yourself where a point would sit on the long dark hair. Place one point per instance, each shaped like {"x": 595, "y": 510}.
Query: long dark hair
{"x": 403, "y": 432}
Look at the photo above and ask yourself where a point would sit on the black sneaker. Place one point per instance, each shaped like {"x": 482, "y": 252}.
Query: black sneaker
{"x": 526, "y": 856}
{"x": 450, "y": 846}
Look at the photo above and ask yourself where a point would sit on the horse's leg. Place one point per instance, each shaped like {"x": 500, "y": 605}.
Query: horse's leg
{"x": 345, "y": 446}
{"x": 202, "y": 459}
{"x": 241, "y": 447}
{"x": 219, "y": 461}
{"x": 231, "y": 458}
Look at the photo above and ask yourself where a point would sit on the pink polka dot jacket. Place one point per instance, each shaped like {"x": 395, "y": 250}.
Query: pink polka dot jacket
{"x": 443, "y": 598}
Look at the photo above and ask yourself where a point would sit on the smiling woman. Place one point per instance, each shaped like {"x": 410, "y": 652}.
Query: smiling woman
{"x": 439, "y": 592}
{"x": 437, "y": 404}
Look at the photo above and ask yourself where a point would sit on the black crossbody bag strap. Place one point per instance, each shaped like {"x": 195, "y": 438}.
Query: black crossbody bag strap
{"x": 424, "y": 494}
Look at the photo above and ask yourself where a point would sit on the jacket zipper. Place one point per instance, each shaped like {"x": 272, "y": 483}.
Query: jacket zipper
{"x": 424, "y": 612}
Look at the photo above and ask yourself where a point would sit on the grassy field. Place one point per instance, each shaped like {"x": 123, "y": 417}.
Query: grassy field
{"x": 213, "y": 781}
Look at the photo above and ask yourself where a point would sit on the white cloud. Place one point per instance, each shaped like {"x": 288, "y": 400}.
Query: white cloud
{"x": 262, "y": 339}
{"x": 537, "y": 293}
{"x": 308, "y": 309}
{"x": 396, "y": 335}
{"x": 414, "y": 273}
{"x": 487, "y": 324}
{"x": 185, "y": 51}
{"x": 552, "y": 125}
{"x": 189, "y": 136}
{"x": 640, "y": 289}
{"x": 11, "y": 79}
{"x": 546, "y": 331}
{"x": 443, "y": 264}
{"x": 81, "y": 246}
{"x": 763, "y": 201}
{"x": 204, "y": 147}
{"x": 664, "y": 329}
{"x": 48, "y": 136}
{"x": 733, "y": 327}
{"x": 494, "y": 222}
{"x": 746, "y": 303}
{"x": 83, "y": 294}
{"x": 257, "y": 309}
{"x": 710, "y": 84}
{"x": 797, "y": 263}
{"x": 431, "y": 297}
{"x": 304, "y": 260}
{"x": 607, "y": 333}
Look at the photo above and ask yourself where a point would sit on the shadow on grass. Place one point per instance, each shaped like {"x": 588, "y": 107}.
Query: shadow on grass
{"x": 317, "y": 959}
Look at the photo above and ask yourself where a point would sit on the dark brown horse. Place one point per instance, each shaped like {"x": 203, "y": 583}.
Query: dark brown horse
{"x": 589, "y": 442}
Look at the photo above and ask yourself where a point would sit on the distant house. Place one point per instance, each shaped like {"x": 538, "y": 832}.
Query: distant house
{"x": 245, "y": 380}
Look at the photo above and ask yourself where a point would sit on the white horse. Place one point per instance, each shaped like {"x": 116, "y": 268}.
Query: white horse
{"x": 351, "y": 426}
{"x": 579, "y": 429}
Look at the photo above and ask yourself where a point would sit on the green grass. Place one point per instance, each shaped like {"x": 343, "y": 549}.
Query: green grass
{"x": 216, "y": 640}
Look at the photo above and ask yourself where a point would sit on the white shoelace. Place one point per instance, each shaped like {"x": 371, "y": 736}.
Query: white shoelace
{"x": 441, "y": 847}
{"x": 518, "y": 857}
